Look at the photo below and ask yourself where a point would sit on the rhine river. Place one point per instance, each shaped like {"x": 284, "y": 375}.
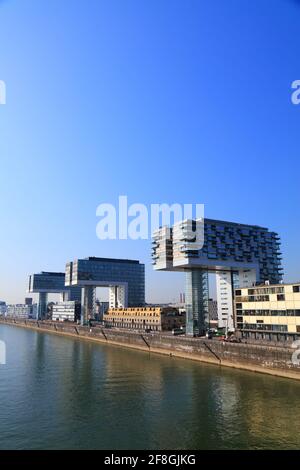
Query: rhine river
{"x": 63, "y": 393}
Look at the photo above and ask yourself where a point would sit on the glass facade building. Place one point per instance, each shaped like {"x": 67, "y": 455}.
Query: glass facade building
{"x": 247, "y": 253}
{"x": 196, "y": 300}
{"x": 45, "y": 283}
{"x": 125, "y": 279}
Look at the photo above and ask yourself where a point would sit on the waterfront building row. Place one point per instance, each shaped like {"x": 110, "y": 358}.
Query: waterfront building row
{"x": 144, "y": 318}
{"x": 24, "y": 311}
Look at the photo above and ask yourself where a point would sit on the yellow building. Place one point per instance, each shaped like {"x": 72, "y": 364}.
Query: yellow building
{"x": 144, "y": 318}
{"x": 269, "y": 312}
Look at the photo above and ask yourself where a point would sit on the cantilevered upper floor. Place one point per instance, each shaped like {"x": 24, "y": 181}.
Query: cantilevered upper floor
{"x": 217, "y": 245}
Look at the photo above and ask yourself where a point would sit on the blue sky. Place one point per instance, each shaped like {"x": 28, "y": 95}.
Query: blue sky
{"x": 163, "y": 101}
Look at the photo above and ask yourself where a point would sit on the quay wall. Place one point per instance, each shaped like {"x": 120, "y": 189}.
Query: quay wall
{"x": 274, "y": 360}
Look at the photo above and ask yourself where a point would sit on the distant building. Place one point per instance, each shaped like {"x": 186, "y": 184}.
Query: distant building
{"x": 142, "y": 318}
{"x": 46, "y": 283}
{"x": 101, "y": 309}
{"x": 66, "y": 311}
{"x": 268, "y": 312}
{"x": 212, "y": 309}
{"x": 124, "y": 278}
{"x": 2, "y": 308}
{"x": 22, "y": 311}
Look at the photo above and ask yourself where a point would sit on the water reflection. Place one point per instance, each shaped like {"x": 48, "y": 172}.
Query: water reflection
{"x": 58, "y": 392}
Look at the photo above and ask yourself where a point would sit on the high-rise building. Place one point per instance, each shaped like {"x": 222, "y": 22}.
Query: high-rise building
{"x": 124, "y": 278}
{"x": 238, "y": 253}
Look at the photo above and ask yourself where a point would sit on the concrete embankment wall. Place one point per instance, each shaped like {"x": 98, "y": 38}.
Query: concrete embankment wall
{"x": 258, "y": 358}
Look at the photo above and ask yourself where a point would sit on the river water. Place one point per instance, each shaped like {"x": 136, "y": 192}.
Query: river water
{"x": 65, "y": 393}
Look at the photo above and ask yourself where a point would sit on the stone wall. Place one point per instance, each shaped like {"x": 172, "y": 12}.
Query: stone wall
{"x": 274, "y": 360}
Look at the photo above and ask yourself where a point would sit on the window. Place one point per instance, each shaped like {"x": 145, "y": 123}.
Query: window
{"x": 296, "y": 289}
{"x": 238, "y": 292}
{"x": 280, "y": 297}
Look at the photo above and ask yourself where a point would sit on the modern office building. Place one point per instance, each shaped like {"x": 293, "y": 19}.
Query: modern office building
{"x": 270, "y": 312}
{"x": 236, "y": 253}
{"x": 212, "y": 309}
{"x": 46, "y": 283}
{"x": 124, "y": 278}
{"x": 145, "y": 318}
{"x": 66, "y": 311}
{"x": 22, "y": 311}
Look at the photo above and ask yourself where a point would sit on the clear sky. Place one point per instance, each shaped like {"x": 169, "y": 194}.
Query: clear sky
{"x": 183, "y": 101}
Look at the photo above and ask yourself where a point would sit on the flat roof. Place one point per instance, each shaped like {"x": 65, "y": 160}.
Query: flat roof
{"x": 224, "y": 222}
{"x": 50, "y": 274}
{"x": 214, "y": 221}
{"x": 111, "y": 260}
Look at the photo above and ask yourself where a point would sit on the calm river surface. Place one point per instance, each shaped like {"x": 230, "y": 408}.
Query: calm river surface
{"x": 63, "y": 393}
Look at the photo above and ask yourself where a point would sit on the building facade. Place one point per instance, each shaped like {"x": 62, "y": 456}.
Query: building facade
{"x": 45, "y": 283}
{"x": 22, "y": 311}
{"x": 66, "y": 311}
{"x": 101, "y": 309}
{"x": 226, "y": 282}
{"x": 236, "y": 253}
{"x": 124, "y": 278}
{"x": 212, "y": 309}
{"x": 2, "y": 308}
{"x": 145, "y": 318}
{"x": 269, "y": 312}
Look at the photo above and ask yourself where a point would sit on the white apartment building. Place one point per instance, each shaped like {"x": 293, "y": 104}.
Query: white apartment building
{"x": 22, "y": 311}
{"x": 66, "y": 311}
{"x": 226, "y": 281}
